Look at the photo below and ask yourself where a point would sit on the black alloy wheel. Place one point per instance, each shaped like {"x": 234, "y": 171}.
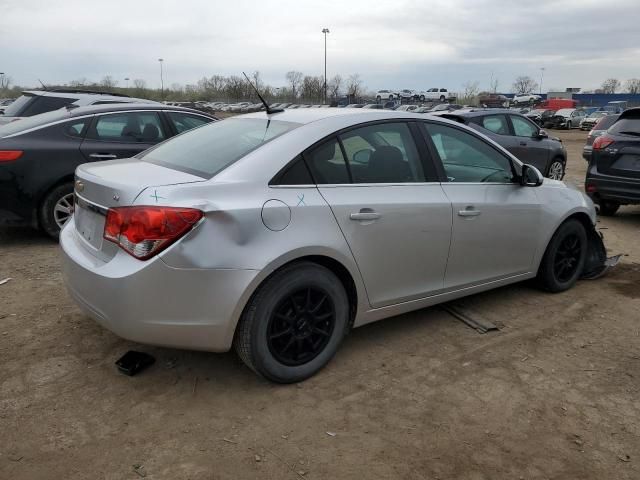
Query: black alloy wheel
{"x": 567, "y": 258}
{"x": 301, "y": 326}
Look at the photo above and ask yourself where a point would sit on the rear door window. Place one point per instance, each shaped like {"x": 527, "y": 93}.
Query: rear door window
{"x": 128, "y": 127}
{"x": 382, "y": 153}
{"x": 495, "y": 123}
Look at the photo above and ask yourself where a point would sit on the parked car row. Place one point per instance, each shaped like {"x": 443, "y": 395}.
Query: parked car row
{"x": 39, "y": 154}
{"x": 432, "y": 94}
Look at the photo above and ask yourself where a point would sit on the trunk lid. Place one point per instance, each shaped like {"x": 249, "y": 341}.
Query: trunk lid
{"x": 115, "y": 183}
{"x": 621, "y": 158}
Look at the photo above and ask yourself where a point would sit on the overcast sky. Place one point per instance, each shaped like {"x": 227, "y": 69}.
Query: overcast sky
{"x": 391, "y": 44}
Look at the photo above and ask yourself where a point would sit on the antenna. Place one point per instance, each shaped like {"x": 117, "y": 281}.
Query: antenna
{"x": 268, "y": 109}
{"x": 43, "y": 85}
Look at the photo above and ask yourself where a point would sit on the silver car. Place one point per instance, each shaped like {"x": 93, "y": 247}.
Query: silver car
{"x": 279, "y": 233}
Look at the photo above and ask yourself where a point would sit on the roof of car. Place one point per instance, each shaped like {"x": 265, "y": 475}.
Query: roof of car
{"x": 478, "y": 112}
{"x": 308, "y": 115}
{"x": 116, "y": 107}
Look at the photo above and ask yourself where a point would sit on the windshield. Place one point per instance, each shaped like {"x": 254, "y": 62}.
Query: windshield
{"x": 32, "y": 122}
{"x": 598, "y": 114}
{"x": 17, "y": 106}
{"x": 208, "y": 150}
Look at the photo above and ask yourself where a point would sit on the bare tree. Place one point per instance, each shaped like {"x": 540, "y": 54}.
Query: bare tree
{"x": 334, "y": 86}
{"x": 256, "y": 79}
{"x": 80, "y": 82}
{"x": 610, "y": 85}
{"x": 312, "y": 88}
{"x": 354, "y": 85}
{"x": 633, "y": 85}
{"x": 108, "y": 82}
{"x": 5, "y": 82}
{"x": 139, "y": 84}
{"x": 471, "y": 90}
{"x": 295, "y": 80}
{"x": 524, "y": 85}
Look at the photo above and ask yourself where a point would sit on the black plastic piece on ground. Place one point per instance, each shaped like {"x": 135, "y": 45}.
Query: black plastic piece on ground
{"x": 134, "y": 362}
{"x": 471, "y": 319}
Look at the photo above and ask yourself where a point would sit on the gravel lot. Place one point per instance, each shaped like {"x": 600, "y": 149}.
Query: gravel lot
{"x": 552, "y": 395}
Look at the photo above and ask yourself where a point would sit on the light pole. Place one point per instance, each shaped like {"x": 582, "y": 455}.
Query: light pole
{"x": 541, "y": 78}
{"x": 127, "y": 80}
{"x": 161, "y": 60}
{"x": 325, "y": 31}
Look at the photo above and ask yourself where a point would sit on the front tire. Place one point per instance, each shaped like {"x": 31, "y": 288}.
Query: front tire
{"x": 56, "y": 209}
{"x": 564, "y": 258}
{"x": 294, "y": 323}
{"x": 556, "y": 169}
{"x": 569, "y": 126}
{"x": 442, "y": 98}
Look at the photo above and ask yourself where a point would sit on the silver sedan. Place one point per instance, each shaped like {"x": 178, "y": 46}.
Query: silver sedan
{"x": 279, "y": 233}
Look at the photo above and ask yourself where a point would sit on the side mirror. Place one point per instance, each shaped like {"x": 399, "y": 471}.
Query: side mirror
{"x": 362, "y": 156}
{"x": 543, "y": 134}
{"x": 531, "y": 176}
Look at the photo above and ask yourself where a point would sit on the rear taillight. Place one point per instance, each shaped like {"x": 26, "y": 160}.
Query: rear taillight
{"x": 590, "y": 188}
{"x": 144, "y": 231}
{"x": 10, "y": 155}
{"x": 602, "y": 142}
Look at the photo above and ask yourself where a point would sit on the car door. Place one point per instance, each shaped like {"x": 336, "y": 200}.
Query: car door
{"x": 122, "y": 134}
{"x": 495, "y": 221}
{"x": 529, "y": 146}
{"x": 390, "y": 207}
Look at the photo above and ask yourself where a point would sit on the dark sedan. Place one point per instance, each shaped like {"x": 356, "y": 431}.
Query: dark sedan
{"x": 39, "y": 154}
{"x": 520, "y": 136}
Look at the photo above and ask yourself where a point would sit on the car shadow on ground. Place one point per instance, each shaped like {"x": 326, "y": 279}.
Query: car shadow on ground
{"x": 20, "y": 236}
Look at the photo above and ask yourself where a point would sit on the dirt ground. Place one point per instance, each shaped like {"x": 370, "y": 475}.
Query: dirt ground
{"x": 553, "y": 395}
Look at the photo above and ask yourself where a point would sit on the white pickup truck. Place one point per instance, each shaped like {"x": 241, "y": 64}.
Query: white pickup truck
{"x": 441, "y": 94}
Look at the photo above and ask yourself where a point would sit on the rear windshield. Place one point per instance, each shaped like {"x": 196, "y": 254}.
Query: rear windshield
{"x": 210, "y": 149}
{"x": 17, "y": 106}
{"x": 605, "y": 122}
{"x": 36, "y": 104}
{"x": 629, "y": 124}
{"x": 32, "y": 122}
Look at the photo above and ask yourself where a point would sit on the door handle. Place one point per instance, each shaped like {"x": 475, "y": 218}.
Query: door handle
{"x": 365, "y": 216}
{"x": 523, "y": 144}
{"x": 469, "y": 212}
{"x": 103, "y": 156}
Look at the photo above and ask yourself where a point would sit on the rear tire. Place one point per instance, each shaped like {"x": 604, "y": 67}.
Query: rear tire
{"x": 294, "y": 323}
{"x": 564, "y": 258}
{"x": 56, "y": 209}
{"x": 608, "y": 208}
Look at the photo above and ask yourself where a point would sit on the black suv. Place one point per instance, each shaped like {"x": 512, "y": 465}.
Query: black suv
{"x": 520, "y": 136}
{"x": 39, "y": 154}
{"x": 613, "y": 175}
